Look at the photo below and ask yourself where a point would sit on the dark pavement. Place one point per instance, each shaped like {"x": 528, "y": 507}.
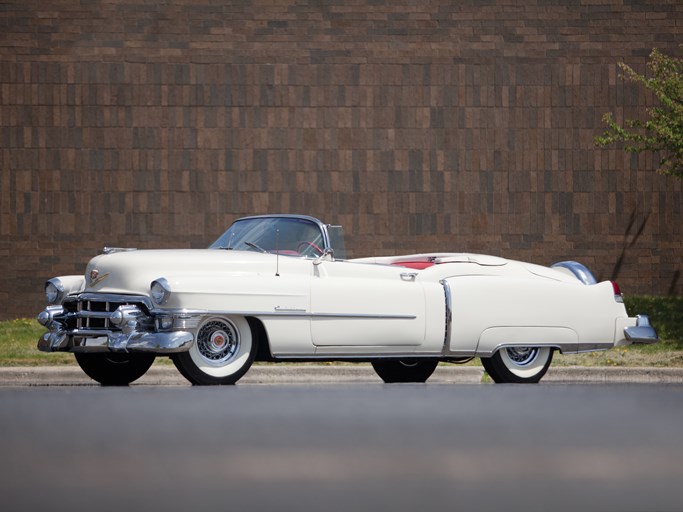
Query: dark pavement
{"x": 350, "y": 446}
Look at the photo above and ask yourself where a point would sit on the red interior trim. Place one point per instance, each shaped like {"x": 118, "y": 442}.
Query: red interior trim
{"x": 417, "y": 265}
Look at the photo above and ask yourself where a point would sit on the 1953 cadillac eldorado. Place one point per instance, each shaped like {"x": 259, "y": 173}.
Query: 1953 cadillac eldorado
{"x": 277, "y": 288}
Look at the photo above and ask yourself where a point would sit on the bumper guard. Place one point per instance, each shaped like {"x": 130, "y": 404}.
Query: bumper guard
{"x": 642, "y": 332}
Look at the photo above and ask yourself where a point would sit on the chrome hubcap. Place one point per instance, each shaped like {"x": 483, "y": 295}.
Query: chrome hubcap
{"x": 218, "y": 342}
{"x": 522, "y": 356}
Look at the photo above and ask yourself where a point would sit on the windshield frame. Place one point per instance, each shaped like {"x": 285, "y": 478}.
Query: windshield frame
{"x": 224, "y": 241}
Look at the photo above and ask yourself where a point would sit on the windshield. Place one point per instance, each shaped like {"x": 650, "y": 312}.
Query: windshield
{"x": 282, "y": 235}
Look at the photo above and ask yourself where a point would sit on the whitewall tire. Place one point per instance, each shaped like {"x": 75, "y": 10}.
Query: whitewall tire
{"x": 223, "y": 351}
{"x": 518, "y": 365}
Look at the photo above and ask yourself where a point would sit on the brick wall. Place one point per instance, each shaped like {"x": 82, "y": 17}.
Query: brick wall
{"x": 430, "y": 125}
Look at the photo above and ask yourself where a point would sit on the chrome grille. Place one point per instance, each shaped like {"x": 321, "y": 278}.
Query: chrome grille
{"x": 91, "y": 312}
{"x": 91, "y": 319}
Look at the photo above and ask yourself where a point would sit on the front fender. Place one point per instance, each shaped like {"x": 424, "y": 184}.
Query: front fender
{"x": 67, "y": 285}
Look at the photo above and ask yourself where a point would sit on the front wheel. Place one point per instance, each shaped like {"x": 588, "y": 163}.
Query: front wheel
{"x": 404, "y": 370}
{"x": 518, "y": 365}
{"x": 223, "y": 351}
{"x": 112, "y": 369}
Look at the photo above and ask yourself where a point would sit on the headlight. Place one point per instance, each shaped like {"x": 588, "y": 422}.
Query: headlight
{"x": 54, "y": 291}
{"x": 160, "y": 291}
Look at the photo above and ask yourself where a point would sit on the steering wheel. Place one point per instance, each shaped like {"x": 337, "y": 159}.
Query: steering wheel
{"x": 305, "y": 245}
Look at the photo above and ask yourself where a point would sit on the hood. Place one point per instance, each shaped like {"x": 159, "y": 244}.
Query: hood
{"x": 132, "y": 272}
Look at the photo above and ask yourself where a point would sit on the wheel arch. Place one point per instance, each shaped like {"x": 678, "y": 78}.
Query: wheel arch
{"x": 259, "y": 333}
{"x": 493, "y": 339}
{"x": 502, "y": 346}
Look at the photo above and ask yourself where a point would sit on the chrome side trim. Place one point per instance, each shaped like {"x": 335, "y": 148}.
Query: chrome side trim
{"x": 564, "y": 348}
{"x": 377, "y": 317}
{"x": 642, "y": 332}
{"x": 357, "y": 357}
{"x": 449, "y": 317}
{"x": 180, "y": 312}
{"x": 561, "y": 347}
{"x": 278, "y": 312}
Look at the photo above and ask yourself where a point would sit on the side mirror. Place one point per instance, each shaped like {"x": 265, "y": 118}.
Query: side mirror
{"x": 328, "y": 254}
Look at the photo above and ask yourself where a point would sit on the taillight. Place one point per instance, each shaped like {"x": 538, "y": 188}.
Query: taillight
{"x": 617, "y": 292}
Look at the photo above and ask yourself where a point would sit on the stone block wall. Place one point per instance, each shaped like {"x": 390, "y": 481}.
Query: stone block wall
{"x": 419, "y": 126}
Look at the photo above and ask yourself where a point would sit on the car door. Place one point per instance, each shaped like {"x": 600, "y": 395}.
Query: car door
{"x": 358, "y": 304}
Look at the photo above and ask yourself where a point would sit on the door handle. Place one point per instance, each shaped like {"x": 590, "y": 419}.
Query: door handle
{"x": 408, "y": 276}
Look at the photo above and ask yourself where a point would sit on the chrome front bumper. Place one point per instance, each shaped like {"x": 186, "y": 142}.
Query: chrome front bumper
{"x": 128, "y": 338}
{"x": 642, "y": 332}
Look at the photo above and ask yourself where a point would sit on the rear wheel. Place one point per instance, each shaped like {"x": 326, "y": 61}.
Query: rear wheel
{"x": 223, "y": 351}
{"x": 518, "y": 365}
{"x": 405, "y": 370}
{"x": 112, "y": 369}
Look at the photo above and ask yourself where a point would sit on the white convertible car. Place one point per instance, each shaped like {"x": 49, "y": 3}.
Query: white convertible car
{"x": 277, "y": 288}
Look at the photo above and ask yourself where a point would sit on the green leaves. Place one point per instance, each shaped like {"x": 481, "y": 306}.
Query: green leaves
{"x": 662, "y": 132}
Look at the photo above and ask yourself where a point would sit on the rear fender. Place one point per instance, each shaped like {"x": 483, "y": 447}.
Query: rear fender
{"x": 488, "y": 312}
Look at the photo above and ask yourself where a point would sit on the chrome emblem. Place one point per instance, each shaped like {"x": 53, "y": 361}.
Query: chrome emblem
{"x": 96, "y": 278}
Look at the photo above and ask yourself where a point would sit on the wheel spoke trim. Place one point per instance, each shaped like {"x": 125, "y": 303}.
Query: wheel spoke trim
{"x": 522, "y": 356}
{"x": 218, "y": 342}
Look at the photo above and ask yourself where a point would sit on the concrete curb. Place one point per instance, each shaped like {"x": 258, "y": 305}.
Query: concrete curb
{"x": 160, "y": 375}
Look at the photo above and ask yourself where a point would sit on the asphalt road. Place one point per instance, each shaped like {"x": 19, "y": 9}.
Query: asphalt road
{"x": 559, "y": 447}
